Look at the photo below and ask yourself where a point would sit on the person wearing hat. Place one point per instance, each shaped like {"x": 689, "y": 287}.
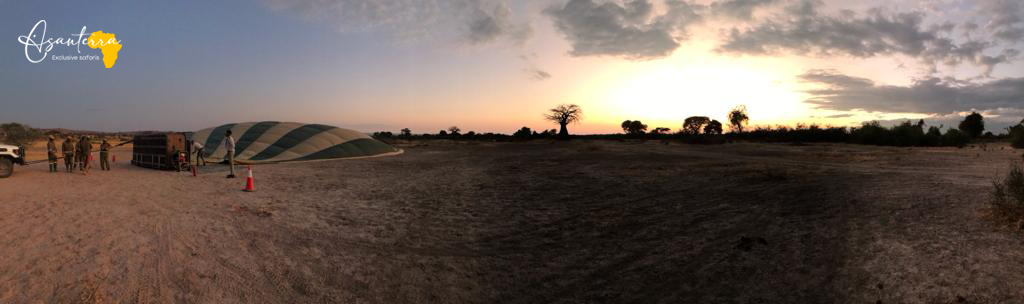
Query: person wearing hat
{"x": 51, "y": 153}
{"x": 68, "y": 147}
{"x": 105, "y": 155}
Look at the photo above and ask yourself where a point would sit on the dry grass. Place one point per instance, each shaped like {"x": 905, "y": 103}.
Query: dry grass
{"x": 535, "y": 222}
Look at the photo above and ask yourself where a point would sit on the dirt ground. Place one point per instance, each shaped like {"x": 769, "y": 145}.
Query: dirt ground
{"x": 538, "y": 222}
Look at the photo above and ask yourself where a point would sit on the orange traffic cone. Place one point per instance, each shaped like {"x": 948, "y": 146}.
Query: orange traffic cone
{"x": 249, "y": 187}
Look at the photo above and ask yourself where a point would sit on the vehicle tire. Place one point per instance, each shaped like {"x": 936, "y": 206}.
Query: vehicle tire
{"x": 6, "y": 167}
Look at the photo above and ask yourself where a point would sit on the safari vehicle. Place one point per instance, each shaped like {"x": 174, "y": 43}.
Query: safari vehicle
{"x": 10, "y": 155}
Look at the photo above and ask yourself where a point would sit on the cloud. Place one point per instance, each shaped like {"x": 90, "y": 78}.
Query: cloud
{"x": 928, "y": 95}
{"x": 537, "y": 74}
{"x": 473, "y": 21}
{"x": 803, "y": 30}
{"x": 739, "y": 9}
{"x": 1005, "y": 19}
{"x": 629, "y": 30}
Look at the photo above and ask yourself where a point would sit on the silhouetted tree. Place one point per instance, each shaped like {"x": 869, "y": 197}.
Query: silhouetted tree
{"x": 523, "y": 133}
{"x": 454, "y": 131}
{"x": 694, "y": 124}
{"x": 1017, "y": 135}
{"x": 634, "y": 127}
{"x": 564, "y": 115}
{"x": 738, "y": 117}
{"x": 713, "y": 128}
{"x": 383, "y": 134}
{"x": 406, "y": 132}
{"x": 442, "y": 133}
{"x": 973, "y": 125}
{"x": 660, "y": 130}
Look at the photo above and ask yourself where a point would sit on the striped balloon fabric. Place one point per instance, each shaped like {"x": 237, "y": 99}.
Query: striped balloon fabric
{"x": 272, "y": 141}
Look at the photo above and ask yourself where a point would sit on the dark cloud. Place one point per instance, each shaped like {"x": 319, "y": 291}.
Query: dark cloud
{"x": 835, "y": 79}
{"x": 624, "y": 30}
{"x": 802, "y": 29}
{"x": 739, "y": 9}
{"x": 928, "y": 95}
{"x": 473, "y": 21}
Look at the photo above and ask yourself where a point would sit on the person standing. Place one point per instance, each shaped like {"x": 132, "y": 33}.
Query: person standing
{"x": 78, "y": 153}
{"x": 229, "y": 144}
{"x": 105, "y": 156}
{"x": 51, "y": 153}
{"x": 68, "y": 147}
{"x": 86, "y": 147}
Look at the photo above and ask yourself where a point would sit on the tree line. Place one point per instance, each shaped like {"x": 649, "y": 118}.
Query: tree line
{"x": 702, "y": 129}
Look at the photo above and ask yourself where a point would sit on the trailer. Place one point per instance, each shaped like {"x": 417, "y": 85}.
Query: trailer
{"x": 161, "y": 151}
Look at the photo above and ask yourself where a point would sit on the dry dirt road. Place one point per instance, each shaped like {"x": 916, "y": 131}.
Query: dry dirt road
{"x": 538, "y": 222}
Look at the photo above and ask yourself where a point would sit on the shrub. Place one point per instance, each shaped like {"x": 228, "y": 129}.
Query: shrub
{"x": 523, "y": 133}
{"x": 1017, "y": 136}
{"x": 955, "y": 138}
{"x": 1008, "y": 195}
{"x": 19, "y": 134}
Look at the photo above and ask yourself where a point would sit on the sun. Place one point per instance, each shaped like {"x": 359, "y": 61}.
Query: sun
{"x": 664, "y": 94}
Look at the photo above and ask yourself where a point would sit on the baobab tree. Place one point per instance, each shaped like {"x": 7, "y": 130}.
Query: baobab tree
{"x": 738, "y": 117}
{"x": 564, "y": 115}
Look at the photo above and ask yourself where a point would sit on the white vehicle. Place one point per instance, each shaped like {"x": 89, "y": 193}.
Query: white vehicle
{"x": 10, "y": 155}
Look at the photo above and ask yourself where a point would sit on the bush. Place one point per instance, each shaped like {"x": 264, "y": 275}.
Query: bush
{"x": 1017, "y": 136}
{"x": 1008, "y": 195}
{"x": 955, "y": 138}
{"x": 19, "y": 134}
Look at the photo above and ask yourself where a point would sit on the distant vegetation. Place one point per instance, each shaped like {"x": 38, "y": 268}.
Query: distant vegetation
{"x": 704, "y": 130}
{"x": 18, "y": 134}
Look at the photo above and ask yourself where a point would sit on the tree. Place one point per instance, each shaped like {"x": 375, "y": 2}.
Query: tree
{"x": 454, "y": 131}
{"x": 523, "y": 133}
{"x": 442, "y": 133}
{"x": 660, "y": 130}
{"x": 1017, "y": 135}
{"x": 634, "y": 127}
{"x": 738, "y": 117}
{"x": 406, "y": 132}
{"x": 973, "y": 125}
{"x": 694, "y": 124}
{"x": 713, "y": 128}
{"x": 18, "y": 134}
{"x": 564, "y": 115}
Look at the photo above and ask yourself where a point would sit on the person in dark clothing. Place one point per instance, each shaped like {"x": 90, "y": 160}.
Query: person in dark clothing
{"x": 105, "y": 155}
{"x": 51, "y": 154}
{"x": 68, "y": 147}
{"x": 86, "y": 148}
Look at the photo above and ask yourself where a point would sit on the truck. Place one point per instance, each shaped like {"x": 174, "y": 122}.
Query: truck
{"x": 9, "y": 156}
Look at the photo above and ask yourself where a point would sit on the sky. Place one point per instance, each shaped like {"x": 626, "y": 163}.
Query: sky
{"x": 496, "y": 66}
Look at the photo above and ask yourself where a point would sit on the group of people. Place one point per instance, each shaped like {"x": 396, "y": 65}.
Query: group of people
{"x": 77, "y": 154}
